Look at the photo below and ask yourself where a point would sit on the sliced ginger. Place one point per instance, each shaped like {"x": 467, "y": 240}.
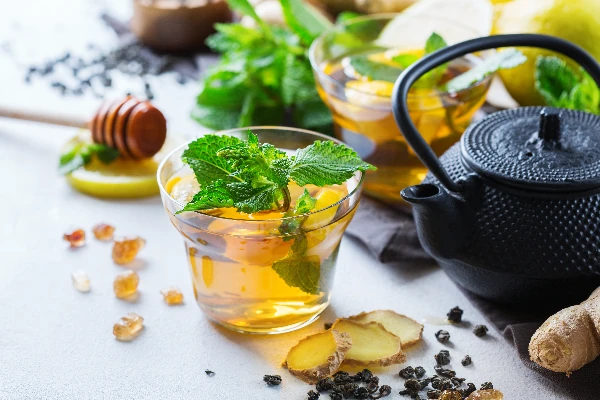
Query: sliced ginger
{"x": 568, "y": 339}
{"x": 372, "y": 344}
{"x": 407, "y": 329}
{"x": 318, "y": 356}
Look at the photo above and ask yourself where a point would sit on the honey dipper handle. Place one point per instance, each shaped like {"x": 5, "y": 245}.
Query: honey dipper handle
{"x": 43, "y": 117}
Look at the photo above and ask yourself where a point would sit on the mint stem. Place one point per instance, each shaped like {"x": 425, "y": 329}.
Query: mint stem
{"x": 287, "y": 198}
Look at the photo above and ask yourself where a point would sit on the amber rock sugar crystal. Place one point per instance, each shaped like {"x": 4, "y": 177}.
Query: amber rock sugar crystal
{"x": 128, "y": 327}
{"x": 172, "y": 296}
{"x": 75, "y": 238}
{"x": 489, "y": 394}
{"x": 126, "y": 249}
{"x": 125, "y": 284}
{"x": 103, "y": 231}
{"x": 81, "y": 281}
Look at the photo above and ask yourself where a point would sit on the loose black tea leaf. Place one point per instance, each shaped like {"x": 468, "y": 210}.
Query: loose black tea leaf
{"x": 419, "y": 372}
{"x": 486, "y": 386}
{"x": 209, "y": 372}
{"x": 366, "y": 375}
{"x": 434, "y": 394}
{"x": 470, "y": 389}
{"x": 361, "y": 393}
{"x": 312, "y": 395}
{"x": 442, "y": 336}
{"x": 480, "y": 330}
{"x": 466, "y": 361}
{"x": 407, "y": 372}
{"x": 455, "y": 315}
{"x": 448, "y": 373}
{"x": 443, "y": 357}
{"x": 272, "y": 380}
{"x": 324, "y": 385}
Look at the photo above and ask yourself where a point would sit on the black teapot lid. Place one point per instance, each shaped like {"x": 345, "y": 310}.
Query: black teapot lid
{"x": 536, "y": 148}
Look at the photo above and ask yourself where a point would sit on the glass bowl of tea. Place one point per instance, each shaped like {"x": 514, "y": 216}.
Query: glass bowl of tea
{"x": 262, "y": 216}
{"x": 356, "y": 64}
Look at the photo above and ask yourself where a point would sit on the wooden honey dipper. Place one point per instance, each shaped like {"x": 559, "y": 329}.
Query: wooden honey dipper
{"x": 135, "y": 128}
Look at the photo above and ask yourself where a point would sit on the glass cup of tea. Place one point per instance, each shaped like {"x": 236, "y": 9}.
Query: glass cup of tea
{"x": 247, "y": 275}
{"x": 361, "y": 105}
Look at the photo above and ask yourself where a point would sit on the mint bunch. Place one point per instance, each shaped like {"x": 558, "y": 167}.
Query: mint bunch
{"x": 264, "y": 74}
{"x": 254, "y": 177}
{"x": 563, "y": 86}
{"x": 82, "y": 154}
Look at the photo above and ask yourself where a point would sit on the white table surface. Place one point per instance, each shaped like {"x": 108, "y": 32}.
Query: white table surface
{"x": 57, "y": 343}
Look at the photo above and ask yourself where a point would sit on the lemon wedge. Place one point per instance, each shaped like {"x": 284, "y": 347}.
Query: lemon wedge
{"x": 119, "y": 179}
{"x": 455, "y": 21}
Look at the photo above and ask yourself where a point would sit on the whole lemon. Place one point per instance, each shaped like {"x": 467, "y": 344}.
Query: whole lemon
{"x": 575, "y": 20}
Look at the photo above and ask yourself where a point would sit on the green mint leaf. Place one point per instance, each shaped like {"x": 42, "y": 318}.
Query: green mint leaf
{"x": 215, "y": 117}
{"x": 585, "y": 96}
{"x": 501, "y": 60}
{"x": 253, "y": 161}
{"x": 434, "y": 43}
{"x": 305, "y": 203}
{"x": 405, "y": 60}
{"x": 250, "y": 198}
{"x": 304, "y": 20}
{"x": 214, "y": 195}
{"x": 298, "y": 84}
{"x": 430, "y": 79}
{"x": 299, "y": 270}
{"x": 107, "y": 154}
{"x": 313, "y": 115}
{"x": 374, "y": 70}
{"x": 232, "y": 37}
{"x": 346, "y": 16}
{"x": 326, "y": 163}
{"x": 82, "y": 154}
{"x": 555, "y": 80}
{"x": 201, "y": 156}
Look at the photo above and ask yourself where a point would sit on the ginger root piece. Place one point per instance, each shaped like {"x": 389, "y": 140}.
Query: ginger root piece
{"x": 372, "y": 344}
{"x": 407, "y": 329}
{"x": 318, "y": 356}
{"x": 570, "y": 338}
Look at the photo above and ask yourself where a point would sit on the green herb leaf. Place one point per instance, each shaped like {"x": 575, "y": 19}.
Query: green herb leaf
{"x": 292, "y": 224}
{"x": 201, "y": 156}
{"x": 313, "y": 115}
{"x": 299, "y": 270}
{"x": 563, "y": 86}
{"x": 501, "y": 60}
{"x": 434, "y": 43}
{"x": 374, "y": 70}
{"x": 82, "y": 154}
{"x": 213, "y": 195}
{"x": 346, "y": 16}
{"x": 304, "y": 20}
{"x": 405, "y": 60}
{"x": 326, "y": 163}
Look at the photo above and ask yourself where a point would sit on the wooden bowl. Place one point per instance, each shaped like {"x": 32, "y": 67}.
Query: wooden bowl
{"x": 177, "y": 26}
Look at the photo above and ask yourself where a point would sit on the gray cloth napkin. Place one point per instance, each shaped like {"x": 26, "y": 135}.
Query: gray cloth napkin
{"x": 390, "y": 235}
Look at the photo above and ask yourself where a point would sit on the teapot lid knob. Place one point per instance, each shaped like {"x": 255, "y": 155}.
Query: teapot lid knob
{"x": 549, "y": 124}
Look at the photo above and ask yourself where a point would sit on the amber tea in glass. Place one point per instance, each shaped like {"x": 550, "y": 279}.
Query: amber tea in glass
{"x": 361, "y": 107}
{"x": 233, "y": 256}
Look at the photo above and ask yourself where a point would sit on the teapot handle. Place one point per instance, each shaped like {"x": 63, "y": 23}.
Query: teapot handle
{"x": 418, "y": 69}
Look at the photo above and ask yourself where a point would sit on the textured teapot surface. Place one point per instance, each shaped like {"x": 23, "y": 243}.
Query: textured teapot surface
{"x": 526, "y": 233}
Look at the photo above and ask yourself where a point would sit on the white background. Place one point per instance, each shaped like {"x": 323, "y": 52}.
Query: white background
{"x": 56, "y": 343}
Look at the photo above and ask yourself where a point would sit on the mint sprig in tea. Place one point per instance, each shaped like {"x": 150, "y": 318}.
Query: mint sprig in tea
{"x": 263, "y": 225}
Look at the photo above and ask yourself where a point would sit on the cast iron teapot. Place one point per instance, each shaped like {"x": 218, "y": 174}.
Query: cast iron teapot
{"x": 512, "y": 211}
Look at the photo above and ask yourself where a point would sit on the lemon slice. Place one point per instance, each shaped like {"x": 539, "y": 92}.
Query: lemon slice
{"x": 119, "y": 179}
{"x": 450, "y": 18}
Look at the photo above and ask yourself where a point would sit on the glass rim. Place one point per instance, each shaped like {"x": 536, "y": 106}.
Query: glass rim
{"x": 382, "y": 16}
{"x": 355, "y": 191}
